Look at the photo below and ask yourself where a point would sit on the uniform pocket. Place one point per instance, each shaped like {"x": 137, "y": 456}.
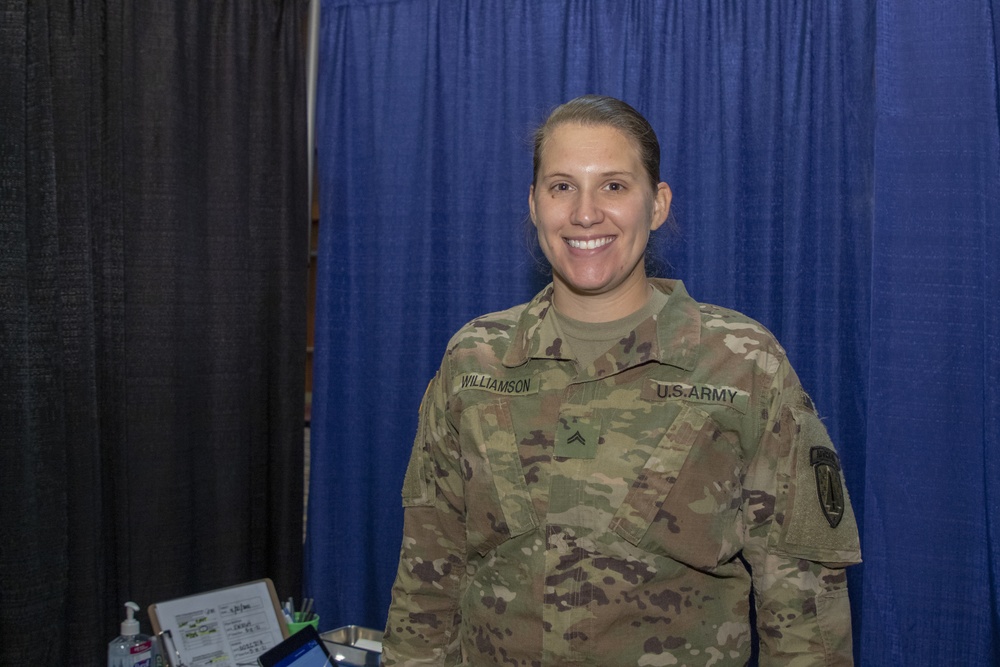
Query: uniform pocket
{"x": 497, "y": 504}
{"x": 685, "y": 501}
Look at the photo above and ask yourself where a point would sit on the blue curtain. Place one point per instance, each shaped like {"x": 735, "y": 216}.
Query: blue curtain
{"x": 932, "y": 491}
{"x": 836, "y": 174}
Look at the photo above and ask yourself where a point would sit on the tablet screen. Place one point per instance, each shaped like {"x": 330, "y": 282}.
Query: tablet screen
{"x": 303, "y": 649}
{"x": 310, "y": 655}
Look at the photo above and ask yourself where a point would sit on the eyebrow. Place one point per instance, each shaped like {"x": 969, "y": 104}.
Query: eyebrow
{"x": 606, "y": 174}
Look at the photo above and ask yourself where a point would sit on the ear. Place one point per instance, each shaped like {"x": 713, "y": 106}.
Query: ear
{"x": 531, "y": 204}
{"x": 661, "y": 205}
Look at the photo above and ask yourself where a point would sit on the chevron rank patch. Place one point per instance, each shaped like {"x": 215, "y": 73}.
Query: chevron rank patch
{"x": 577, "y": 437}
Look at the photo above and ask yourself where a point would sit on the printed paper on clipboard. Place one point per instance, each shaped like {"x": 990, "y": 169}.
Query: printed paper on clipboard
{"x": 228, "y": 627}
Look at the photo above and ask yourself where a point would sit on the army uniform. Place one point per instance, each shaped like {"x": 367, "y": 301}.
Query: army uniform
{"x": 620, "y": 513}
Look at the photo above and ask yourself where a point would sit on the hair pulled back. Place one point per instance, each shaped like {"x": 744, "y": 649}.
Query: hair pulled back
{"x": 609, "y": 111}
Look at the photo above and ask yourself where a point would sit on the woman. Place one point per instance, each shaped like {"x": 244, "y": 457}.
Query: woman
{"x": 602, "y": 475}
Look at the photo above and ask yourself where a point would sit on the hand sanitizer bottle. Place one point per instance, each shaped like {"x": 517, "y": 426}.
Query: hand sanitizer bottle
{"x": 130, "y": 649}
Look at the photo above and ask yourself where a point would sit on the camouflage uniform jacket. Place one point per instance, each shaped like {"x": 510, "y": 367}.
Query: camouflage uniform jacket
{"x": 558, "y": 515}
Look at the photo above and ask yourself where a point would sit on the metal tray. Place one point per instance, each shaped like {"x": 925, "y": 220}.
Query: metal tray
{"x": 354, "y": 645}
{"x": 350, "y": 635}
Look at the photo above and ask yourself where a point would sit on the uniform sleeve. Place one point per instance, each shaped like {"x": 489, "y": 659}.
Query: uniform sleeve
{"x": 800, "y": 534}
{"x": 424, "y": 610}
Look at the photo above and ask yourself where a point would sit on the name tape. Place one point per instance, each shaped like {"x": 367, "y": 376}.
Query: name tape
{"x": 483, "y": 382}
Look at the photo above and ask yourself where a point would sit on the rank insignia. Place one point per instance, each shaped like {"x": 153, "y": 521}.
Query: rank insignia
{"x": 577, "y": 437}
{"x": 829, "y": 484}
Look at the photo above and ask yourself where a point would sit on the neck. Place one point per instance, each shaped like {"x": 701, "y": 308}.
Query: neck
{"x": 615, "y": 304}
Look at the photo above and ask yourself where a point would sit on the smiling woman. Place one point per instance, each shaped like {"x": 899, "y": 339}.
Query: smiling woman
{"x": 594, "y": 209}
{"x": 603, "y": 475}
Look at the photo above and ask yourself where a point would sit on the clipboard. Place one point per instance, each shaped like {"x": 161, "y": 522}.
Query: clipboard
{"x": 227, "y": 627}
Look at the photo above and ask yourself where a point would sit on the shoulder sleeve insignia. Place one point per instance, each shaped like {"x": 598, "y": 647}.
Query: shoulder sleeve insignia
{"x": 829, "y": 484}
{"x": 815, "y": 525}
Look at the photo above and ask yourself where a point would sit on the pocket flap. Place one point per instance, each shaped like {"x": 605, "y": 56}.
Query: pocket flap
{"x": 498, "y": 505}
{"x": 684, "y": 502}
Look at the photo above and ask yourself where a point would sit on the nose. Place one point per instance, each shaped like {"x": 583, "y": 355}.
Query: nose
{"x": 587, "y": 211}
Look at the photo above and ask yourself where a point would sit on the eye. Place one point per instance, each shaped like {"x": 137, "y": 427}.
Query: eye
{"x": 560, "y": 187}
{"x": 615, "y": 186}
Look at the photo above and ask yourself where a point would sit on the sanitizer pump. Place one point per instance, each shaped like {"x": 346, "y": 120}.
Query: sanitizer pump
{"x": 130, "y": 649}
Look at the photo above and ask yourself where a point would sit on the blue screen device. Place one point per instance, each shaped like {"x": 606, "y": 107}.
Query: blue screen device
{"x": 307, "y": 649}
{"x": 303, "y": 649}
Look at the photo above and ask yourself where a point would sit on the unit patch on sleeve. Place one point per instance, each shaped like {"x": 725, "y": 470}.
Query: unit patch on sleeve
{"x": 829, "y": 484}
{"x": 696, "y": 393}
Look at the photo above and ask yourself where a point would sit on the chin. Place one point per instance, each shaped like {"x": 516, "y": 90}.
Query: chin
{"x": 594, "y": 283}
{"x": 589, "y": 287}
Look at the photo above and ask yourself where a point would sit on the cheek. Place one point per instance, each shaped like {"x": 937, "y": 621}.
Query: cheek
{"x": 545, "y": 218}
{"x": 642, "y": 217}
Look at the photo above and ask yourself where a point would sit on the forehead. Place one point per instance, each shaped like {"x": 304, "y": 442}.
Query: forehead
{"x": 573, "y": 141}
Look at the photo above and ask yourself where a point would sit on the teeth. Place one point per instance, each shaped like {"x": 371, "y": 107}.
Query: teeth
{"x": 589, "y": 245}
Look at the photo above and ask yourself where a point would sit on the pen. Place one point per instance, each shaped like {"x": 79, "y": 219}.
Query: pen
{"x": 167, "y": 637}
{"x": 307, "y": 610}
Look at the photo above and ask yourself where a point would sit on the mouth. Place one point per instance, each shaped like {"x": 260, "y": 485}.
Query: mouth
{"x": 589, "y": 244}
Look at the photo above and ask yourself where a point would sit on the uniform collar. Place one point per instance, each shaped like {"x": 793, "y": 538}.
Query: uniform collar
{"x": 672, "y": 339}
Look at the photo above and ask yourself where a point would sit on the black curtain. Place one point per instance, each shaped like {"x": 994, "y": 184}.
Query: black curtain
{"x": 153, "y": 250}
